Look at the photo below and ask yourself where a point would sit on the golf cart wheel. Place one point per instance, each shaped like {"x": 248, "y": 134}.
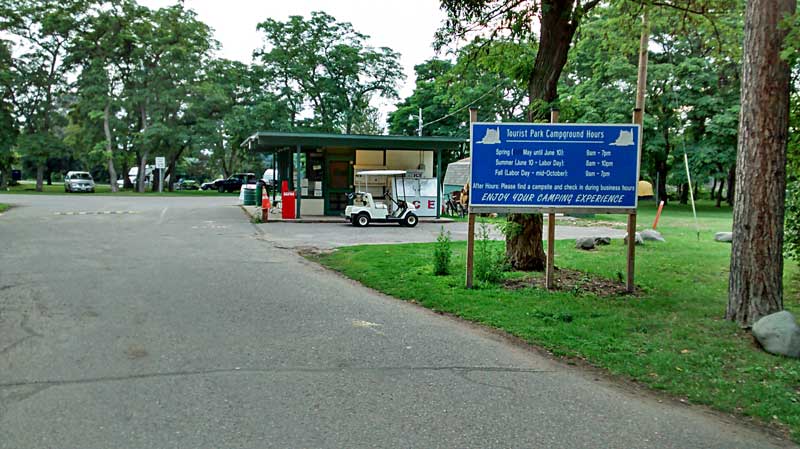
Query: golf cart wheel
{"x": 410, "y": 220}
{"x": 361, "y": 220}
{"x": 221, "y": 189}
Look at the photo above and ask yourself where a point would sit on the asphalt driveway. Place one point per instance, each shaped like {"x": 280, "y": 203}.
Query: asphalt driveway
{"x": 146, "y": 322}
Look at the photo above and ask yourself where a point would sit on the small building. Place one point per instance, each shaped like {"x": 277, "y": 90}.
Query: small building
{"x": 322, "y": 168}
{"x": 456, "y": 176}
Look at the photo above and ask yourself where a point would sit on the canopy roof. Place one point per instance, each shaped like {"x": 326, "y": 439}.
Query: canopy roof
{"x": 275, "y": 141}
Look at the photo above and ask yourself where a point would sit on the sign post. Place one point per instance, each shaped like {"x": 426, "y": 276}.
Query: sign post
{"x": 551, "y": 231}
{"x": 161, "y": 163}
{"x": 550, "y": 168}
{"x": 473, "y": 117}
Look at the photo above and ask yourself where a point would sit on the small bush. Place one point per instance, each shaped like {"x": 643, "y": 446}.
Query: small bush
{"x": 792, "y": 228}
{"x": 490, "y": 262}
{"x": 442, "y": 254}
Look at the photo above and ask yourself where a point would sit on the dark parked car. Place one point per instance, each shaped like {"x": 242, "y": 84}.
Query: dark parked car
{"x": 234, "y": 182}
{"x": 187, "y": 184}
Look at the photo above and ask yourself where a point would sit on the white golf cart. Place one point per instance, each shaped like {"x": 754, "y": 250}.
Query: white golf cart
{"x": 365, "y": 209}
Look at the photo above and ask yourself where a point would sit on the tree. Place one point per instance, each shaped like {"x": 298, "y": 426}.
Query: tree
{"x": 8, "y": 129}
{"x": 756, "y": 275}
{"x": 231, "y": 104}
{"x": 558, "y": 21}
{"x": 168, "y": 49}
{"x": 325, "y": 67}
{"x": 42, "y": 32}
{"x": 484, "y": 76}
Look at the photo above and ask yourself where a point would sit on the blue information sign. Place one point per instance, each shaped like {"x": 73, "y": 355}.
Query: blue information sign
{"x": 519, "y": 166}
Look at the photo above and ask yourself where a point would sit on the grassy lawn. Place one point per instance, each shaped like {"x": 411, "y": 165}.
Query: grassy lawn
{"x": 670, "y": 337}
{"x": 104, "y": 189}
{"x": 3, "y": 207}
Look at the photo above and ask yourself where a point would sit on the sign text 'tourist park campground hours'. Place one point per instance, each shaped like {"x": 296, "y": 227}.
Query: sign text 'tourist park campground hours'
{"x": 560, "y": 166}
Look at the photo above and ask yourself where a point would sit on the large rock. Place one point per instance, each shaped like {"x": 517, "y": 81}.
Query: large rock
{"x": 637, "y": 238}
{"x": 585, "y": 243}
{"x": 779, "y": 334}
{"x": 602, "y": 241}
{"x": 723, "y": 237}
{"x": 652, "y": 234}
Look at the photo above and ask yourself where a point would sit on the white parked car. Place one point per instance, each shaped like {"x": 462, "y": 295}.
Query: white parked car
{"x": 78, "y": 181}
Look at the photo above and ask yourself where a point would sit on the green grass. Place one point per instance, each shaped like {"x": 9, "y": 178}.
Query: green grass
{"x": 103, "y": 189}
{"x": 671, "y": 337}
{"x": 3, "y": 207}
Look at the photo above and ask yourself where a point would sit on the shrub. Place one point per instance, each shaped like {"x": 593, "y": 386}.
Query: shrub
{"x": 490, "y": 261}
{"x": 791, "y": 236}
{"x": 442, "y": 254}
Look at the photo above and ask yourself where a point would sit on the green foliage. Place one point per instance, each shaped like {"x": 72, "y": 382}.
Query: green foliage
{"x": 442, "y": 254}
{"x": 791, "y": 237}
{"x": 490, "y": 260}
{"x": 326, "y": 64}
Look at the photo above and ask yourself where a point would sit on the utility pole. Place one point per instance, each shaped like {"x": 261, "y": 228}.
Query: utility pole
{"x": 419, "y": 129}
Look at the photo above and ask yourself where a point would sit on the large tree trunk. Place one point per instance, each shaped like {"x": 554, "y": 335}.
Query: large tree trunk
{"x": 713, "y": 190}
{"x": 731, "y": 185}
{"x": 112, "y": 173}
{"x": 663, "y": 171}
{"x": 39, "y": 177}
{"x": 685, "y": 193}
{"x": 756, "y": 279}
{"x": 142, "y": 176}
{"x": 524, "y": 248}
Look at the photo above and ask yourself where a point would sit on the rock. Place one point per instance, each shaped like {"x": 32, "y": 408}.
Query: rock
{"x": 652, "y": 234}
{"x": 638, "y": 239}
{"x": 585, "y": 243}
{"x": 602, "y": 240}
{"x": 779, "y": 333}
{"x": 724, "y": 237}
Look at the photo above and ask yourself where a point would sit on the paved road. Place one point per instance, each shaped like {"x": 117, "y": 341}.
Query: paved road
{"x": 171, "y": 325}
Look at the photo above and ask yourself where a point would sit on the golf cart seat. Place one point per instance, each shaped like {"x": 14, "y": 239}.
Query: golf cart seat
{"x": 380, "y": 205}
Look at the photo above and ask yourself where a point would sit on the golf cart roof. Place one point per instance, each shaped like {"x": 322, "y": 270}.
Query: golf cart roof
{"x": 382, "y": 172}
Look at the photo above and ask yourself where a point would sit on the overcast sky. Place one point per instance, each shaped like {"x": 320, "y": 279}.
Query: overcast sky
{"x": 405, "y": 26}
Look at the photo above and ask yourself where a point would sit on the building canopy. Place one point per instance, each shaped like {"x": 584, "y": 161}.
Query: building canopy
{"x": 275, "y": 141}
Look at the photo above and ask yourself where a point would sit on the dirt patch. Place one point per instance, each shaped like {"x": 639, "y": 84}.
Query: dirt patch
{"x": 312, "y": 252}
{"x": 574, "y": 281}
{"x": 136, "y": 352}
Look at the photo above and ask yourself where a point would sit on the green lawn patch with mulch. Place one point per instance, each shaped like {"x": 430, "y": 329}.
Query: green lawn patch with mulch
{"x": 670, "y": 336}
{"x": 3, "y": 207}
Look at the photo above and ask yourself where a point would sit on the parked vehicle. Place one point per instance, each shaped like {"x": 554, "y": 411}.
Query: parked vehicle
{"x": 365, "y": 210}
{"x": 210, "y": 184}
{"x": 187, "y": 184}
{"x": 78, "y": 181}
{"x": 234, "y": 182}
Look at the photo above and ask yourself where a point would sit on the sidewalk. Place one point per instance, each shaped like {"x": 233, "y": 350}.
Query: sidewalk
{"x": 255, "y": 212}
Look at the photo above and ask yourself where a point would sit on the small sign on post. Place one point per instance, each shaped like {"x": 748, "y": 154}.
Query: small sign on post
{"x": 161, "y": 164}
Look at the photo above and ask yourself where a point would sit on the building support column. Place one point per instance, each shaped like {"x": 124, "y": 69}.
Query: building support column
{"x": 439, "y": 200}
{"x": 298, "y": 187}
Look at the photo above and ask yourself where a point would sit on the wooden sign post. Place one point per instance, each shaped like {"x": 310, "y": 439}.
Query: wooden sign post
{"x": 551, "y": 231}
{"x": 473, "y": 117}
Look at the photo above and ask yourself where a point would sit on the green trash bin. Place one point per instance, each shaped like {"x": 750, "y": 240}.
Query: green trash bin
{"x": 250, "y": 197}
{"x": 259, "y": 188}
